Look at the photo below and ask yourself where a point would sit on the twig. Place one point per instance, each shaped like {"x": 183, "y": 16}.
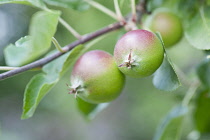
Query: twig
{"x": 190, "y": 93}
{"x": 67, "y": 48}
{"x": 133, "y": 10}
{"x": 7, "y": 68}
{"x": 84, "y": 39}
{"x": 57, "y": 45}
{"x": 183, "y": 77}
{"x": 118, "y": 12}
{"x": 141, "y": 9}
{"x": 69, "y": 28}
{"x": 103, "y": 9}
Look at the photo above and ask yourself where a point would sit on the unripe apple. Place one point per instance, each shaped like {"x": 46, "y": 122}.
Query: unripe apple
{"x": 138, "y": 53}
{"x": 96, "y": 78}
{"x": 168, "y": 24}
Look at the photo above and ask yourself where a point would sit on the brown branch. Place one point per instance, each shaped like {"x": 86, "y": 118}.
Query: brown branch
{"x": 84, "y": 39}
{"x": 67, "y": 48}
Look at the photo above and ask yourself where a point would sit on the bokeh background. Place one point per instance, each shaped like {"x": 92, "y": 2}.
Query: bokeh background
{"x": 133, "y": 116}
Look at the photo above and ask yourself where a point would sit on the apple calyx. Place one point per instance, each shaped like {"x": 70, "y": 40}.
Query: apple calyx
{"x": 76, "y": 88}
{"x": 129, "y": 63}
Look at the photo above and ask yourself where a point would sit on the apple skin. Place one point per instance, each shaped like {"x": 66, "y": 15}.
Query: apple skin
{"x": 145, "y": 51}
{"x": 168, "y": 24}
{"x": 98, "y": 76}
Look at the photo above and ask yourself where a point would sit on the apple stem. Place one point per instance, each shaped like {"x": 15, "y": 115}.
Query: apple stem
{"x": 7, "y": 68}
{"x": 57, "y": 45}
{"x": 102, "y": 9}
{"x": 118, "y": 12}
{"x": 190, "y": 93}
{"x": 69, "y": 28}
{"x": 133, "y": 8}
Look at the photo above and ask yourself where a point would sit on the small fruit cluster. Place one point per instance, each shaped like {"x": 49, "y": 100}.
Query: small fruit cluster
{"x": 98, "y": 77}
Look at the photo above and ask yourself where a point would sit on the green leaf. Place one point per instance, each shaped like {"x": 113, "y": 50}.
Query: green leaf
{"x": 36, "y": 3}
{"x": 36, "y": 89}
{"x": 202, "y": 114}
{"x": 15, "y": 55}
{"x": 203, "y": 72}
{"x": 79, "y": 5}
{"x": 187, "y": 6}
{"x": 170, "y": 127}
{"x": 42, "y": 83}
{"x": 197, "y": 31}
{"x": 165, "y": 77}
{"x": 43, "y": 27}
{"x": 90, "y": 110}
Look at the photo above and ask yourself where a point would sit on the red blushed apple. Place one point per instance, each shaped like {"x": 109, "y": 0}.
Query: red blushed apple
{"x": 139, "y": 53}
{"x": 96, "y": 78}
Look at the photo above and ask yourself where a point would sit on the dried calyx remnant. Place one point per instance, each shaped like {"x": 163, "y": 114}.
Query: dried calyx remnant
{"x": 76, "y": 88}
{"x": 129, "y": 62}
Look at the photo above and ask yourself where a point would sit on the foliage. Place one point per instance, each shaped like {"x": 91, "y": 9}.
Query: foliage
{"x": 195, "y": 16}
{"x": 41, "y": 83}
{"x": 42, "y": 29}
{"x": 165, "y": 77}
{"x": 201, "y": 114}
{"x": 170, "y": 127}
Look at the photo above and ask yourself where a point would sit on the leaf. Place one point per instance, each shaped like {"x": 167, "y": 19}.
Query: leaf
{"x": 197, "y": 31}
{"x": 187, "y": 6}
{"x": 15, "y": 55}
{"x": 165, "y": 77}
{"x": 90, "y": 110}
{"x": 36, "y": 3}
{"x": 79, "y": 5}
{"x": 203, "y": 71}
{"x": 36, "y": 89}
{"x": 42, "y": 83}
{"x": 202, "y": 114}
{"x": 43, "y": 27}
{"x": 169, "y": 128}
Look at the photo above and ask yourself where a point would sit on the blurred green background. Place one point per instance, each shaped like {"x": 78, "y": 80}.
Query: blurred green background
{"x": 133, "y": 116}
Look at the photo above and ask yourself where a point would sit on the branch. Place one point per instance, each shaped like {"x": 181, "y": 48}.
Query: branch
{"x": 67, "y": 48}
{"x": 141, "y": 9}
{"x": 85, "y": 38}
